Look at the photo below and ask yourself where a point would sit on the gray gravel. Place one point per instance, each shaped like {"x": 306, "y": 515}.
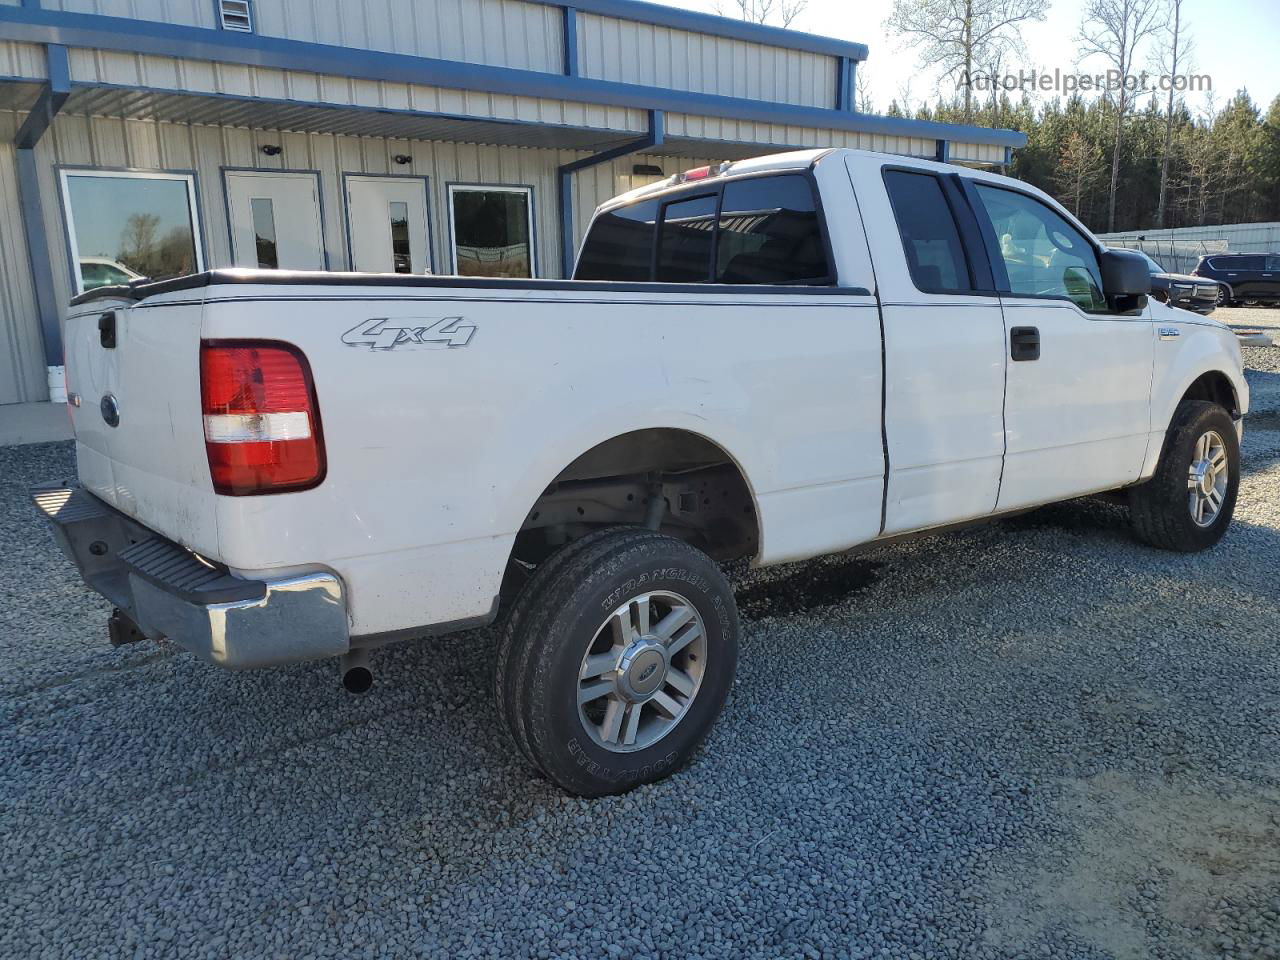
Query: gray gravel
{"x": 1036, "y": 738}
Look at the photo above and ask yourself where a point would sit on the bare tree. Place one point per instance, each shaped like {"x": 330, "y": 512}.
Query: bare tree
{"x": 963, "y": 36}
{"x": 1174, "y": 53}
{"x": 1115, "y": 30}
{"x": 864, "y": 96}
{"x": 1079, "y": 165}
{"x": 784, "y": 12}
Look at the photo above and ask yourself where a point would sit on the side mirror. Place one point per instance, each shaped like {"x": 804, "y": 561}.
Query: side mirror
{"x": 1126, "y": 279}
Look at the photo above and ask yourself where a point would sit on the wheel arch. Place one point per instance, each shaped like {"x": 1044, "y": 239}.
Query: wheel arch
{"x": 707, "y": 495}
{"x": 1213, "y": 386}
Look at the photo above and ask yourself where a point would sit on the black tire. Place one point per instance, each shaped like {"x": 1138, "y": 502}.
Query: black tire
{"x": 554, "y": 624}
{"x": 1160, "y": 508}
{"x": 506, "y": 688}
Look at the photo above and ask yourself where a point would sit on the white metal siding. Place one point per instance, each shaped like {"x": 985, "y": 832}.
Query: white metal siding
{"x": 146, "y": 145}
{"x": 779, "y": 135}
{"x": 501, "y": 32}
{"x": 199, "y": 76}
{"x": 193, "y": 13}
{"x": 631, "y": 52}
{"x": 22, "y": 369}
{"x": 22, "y": 59}
{"x": 975, "y": 152}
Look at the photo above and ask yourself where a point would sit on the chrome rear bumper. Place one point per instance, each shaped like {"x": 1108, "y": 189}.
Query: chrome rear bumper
{"x": 169, "y": 591}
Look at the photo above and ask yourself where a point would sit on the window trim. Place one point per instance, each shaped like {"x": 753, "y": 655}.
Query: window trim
{"x": 65, "y": 171}
{"x": 348, "y": 175}
{"x": 1001, "y": 275}
{"x": 717, "y": 185}
{"x": 455, "y": 187}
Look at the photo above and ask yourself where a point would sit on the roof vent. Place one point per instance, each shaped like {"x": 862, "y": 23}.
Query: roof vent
{"x": 235, "y": 15}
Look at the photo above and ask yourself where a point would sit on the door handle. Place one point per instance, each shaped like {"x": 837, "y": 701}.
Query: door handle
{"x": 1024, "y": 343}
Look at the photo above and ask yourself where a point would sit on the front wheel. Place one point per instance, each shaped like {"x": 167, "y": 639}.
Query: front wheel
{"x": 617, "y": 660}
{"x": 1187, "y": 505}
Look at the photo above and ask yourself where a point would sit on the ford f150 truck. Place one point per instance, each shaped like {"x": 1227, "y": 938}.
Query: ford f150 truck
{"x": 771, "y": 359}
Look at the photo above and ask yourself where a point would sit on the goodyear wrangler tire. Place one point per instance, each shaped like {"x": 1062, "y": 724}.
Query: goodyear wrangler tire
{"x": 1188, "y": 504}
{"x": 619, "y": 661}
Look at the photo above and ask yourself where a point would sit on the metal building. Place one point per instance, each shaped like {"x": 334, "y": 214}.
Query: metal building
{"x": 1178, "y": 248}
{"x": 151, "y": 137}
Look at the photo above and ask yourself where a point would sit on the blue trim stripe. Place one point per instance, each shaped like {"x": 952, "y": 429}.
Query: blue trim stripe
{"x": 570, "y": 35}
{"x": 162, "y": 39}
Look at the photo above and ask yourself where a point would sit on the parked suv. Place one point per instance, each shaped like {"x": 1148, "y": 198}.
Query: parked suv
{"x": 1180, "y": 289}
{"x": 1244, "y": 277}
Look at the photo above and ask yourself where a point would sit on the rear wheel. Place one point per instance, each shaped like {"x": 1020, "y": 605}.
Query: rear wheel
{"x": 1187, "y": 505}
{"x": 617, "y": 660}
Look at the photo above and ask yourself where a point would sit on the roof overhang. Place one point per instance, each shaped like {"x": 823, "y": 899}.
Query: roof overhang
{"x": 160, "y": 39}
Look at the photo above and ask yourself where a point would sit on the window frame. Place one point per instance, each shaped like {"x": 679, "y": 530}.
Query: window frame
{"x": 716, "y": 186}
{"x": 66, "y": 171}
{"x": 1001, "y": 274}
{"x": 977, "y": 256}
{"x": 455, "y": 187}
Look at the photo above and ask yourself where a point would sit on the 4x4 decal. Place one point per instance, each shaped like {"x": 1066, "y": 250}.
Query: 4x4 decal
{"x": 388, "y": 333}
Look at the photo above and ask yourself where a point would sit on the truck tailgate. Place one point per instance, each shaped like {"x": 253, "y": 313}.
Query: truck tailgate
{"x": 138, "y": 426}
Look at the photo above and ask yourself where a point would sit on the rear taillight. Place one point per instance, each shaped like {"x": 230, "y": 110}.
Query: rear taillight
{"x": 261, "y": 421}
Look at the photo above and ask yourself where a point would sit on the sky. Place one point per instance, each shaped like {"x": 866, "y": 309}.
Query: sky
{"x": 1237, "y": 43}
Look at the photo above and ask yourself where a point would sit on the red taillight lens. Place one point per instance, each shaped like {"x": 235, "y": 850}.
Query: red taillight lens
{"x": 697, "y": 173}
{"x": 261, "y": 421}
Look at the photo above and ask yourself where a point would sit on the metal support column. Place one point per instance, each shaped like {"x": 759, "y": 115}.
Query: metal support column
{"x": 566, "y": 172}
{"x": 52, "y": 97}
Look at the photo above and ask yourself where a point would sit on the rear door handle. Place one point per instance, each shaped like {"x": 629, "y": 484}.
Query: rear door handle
{"x": 1024, "y": 343}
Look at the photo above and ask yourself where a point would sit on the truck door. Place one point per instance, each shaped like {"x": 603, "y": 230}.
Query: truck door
{"x": 944, "y": 348}
{"x": 1077, "y": 401}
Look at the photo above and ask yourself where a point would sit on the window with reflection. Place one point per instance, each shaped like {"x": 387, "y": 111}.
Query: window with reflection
{"x": 264, "y": 232}
{"x": 125, "y": 225}
{"x": 684, "y": 246}
{"x": 1043, "y": 255}
{"x": 401, "y": 257}
{"x": 620, "y": 244}
{"x": 492, "y": 231}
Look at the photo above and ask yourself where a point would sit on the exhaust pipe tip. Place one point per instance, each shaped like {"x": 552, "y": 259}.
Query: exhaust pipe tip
{"x": 356, "y": 675}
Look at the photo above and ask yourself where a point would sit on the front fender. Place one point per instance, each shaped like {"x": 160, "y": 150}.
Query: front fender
{"x": 1202, "y": 346}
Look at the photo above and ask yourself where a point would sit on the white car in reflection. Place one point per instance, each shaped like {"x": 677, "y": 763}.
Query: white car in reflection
{"x": 104, "y": 272}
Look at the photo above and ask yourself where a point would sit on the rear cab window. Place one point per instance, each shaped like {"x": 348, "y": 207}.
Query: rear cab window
{"x": 762, "y": 230}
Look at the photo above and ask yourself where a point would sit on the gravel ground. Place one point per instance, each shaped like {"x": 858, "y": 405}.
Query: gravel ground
{"x": 1036, "y": 738}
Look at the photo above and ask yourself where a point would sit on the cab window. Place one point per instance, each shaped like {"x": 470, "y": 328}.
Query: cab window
{"x": 1043, "y": 255}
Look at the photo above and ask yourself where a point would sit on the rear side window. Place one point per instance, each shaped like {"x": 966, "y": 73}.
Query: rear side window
{"x": 684, "y": 242}
{"x": 770, "y": 234}
{"x": 930, "y": 238}
{"x": 620, "y": 245}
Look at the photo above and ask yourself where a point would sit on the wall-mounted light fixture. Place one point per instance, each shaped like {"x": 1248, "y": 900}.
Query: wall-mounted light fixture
{"x": 402, "y": 158}
{"x": 271, "y": 149}
{"x": 646, "y": 170}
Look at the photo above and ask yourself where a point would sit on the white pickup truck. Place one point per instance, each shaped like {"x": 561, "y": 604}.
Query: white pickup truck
{"x": 772, "y": 359}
